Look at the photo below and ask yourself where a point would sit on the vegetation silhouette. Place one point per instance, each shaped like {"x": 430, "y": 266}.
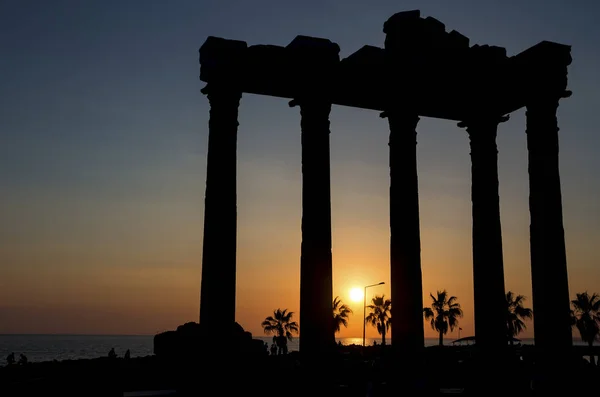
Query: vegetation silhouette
{"x": 380, "y": 315}
{"x": 341, "y": 312}
{"x": 443, "y": 313}
{"x": 516, "y": 313}
{"x": 281, "y": 326}
{"x": 585, "y": 316}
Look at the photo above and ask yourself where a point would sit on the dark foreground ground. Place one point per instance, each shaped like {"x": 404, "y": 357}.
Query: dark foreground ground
{"x": 351, "y": 372}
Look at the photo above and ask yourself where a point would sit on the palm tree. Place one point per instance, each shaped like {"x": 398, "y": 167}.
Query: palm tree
{"x": 341, "y": 312}
{"x": 444, "y": 313}
{"x": 515, "y": 314}
{"x": 586, "y": 317}
{"x": 381, "y": 315}
{"x": 281, "y": 326}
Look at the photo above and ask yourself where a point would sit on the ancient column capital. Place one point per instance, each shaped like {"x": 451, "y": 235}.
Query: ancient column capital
{"x": 314, "y": 114}
{"x": 545, "y": 101}
{"x": 482, "y": 131}
{"x": 401, "y": 120}
{"x": 482, "y": 121}
{"x": 224, "y": 102}
{"x": 550, "y": 92}
{"x": 222, "y": 92}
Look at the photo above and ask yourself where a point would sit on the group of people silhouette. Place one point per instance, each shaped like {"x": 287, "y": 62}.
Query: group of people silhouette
{"x": 275, "y": 350}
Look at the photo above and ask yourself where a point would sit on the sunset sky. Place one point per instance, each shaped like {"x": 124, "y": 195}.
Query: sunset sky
{"x": 103, "y": 140}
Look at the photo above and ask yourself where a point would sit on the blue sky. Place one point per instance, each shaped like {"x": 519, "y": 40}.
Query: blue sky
{"x": 103, "y": 135}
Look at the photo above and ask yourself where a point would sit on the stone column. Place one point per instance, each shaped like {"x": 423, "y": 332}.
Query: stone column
{"x": 405, "y": 243}
{"x": 488, "y": 265}
{"x": 217, "y": 290}
{"x": 316, "y": 282}
{"x": 551, "y": 303}
{"x": 402, "y": 95}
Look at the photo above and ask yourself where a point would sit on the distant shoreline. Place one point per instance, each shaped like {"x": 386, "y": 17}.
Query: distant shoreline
{"x": 49, "y": 347}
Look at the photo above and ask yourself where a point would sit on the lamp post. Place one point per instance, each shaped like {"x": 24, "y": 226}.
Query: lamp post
{"x": 365, "y": 312}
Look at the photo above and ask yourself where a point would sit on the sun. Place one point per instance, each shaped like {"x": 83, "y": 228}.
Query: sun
{"x": 356, "y": 294}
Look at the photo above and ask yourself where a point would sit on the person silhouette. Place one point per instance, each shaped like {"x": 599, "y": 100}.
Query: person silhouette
{"x": 23, "y": 360}
{"x": 10, "y": 359}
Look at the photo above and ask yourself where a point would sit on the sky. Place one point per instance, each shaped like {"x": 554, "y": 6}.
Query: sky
{"x": 103, "y": 141}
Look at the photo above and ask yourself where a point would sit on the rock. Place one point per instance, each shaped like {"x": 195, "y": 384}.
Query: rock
{"x": 186, "y": 342}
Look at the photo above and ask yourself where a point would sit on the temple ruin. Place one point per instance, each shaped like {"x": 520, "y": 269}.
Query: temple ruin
{"x": 422, "y": 70}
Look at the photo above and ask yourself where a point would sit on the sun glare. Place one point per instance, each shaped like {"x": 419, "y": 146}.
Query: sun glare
{"x": 356, "y": 294}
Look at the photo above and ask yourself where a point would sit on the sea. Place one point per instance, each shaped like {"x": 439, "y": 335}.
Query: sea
{"x": 72, "y": 347}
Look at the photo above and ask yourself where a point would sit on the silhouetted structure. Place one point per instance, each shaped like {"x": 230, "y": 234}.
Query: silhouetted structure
{"x": 421, "y": 71}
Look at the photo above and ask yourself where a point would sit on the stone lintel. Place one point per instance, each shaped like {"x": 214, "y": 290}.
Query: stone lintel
{"x": 263, "y": 72}
{"x": 448, "y": 78}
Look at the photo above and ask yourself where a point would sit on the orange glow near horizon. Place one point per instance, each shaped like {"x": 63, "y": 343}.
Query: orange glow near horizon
{"x": 130, "y": 262}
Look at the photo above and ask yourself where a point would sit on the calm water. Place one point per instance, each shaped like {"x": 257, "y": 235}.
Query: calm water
{"x": 70, "y": 347}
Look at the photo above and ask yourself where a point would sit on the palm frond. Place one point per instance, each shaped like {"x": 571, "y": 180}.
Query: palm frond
{"x": 380, "y": 314}
{"x": 516, "y": 312}
{"x": 444, "y": 312}
{"x": 586, "y": 315}
{"x": 280, "y": 325}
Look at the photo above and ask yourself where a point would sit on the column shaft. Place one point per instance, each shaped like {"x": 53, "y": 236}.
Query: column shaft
{"x": 551, "y": 305}
{"x": 488, "y": 267}
{"x": 405, "y": 243}
{"x": 316, "y": 282}
{"x": 217, "y": 290}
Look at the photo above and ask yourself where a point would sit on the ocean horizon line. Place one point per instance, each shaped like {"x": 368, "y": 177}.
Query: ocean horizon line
{"x": 153, "y": 334}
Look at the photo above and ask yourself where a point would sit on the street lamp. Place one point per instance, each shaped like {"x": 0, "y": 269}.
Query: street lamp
{"x": 365, "y": 312}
